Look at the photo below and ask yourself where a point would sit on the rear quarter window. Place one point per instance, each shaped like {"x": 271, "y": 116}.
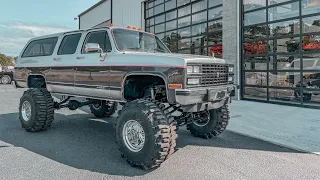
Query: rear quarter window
{"x": 41, "y": 47}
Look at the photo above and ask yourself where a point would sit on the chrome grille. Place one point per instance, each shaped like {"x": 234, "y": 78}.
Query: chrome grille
{"x": 214, "y": 74}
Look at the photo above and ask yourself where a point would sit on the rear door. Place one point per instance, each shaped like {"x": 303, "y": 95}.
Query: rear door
{"x": 92, "y": 74}
{"x": 63, "y": 64}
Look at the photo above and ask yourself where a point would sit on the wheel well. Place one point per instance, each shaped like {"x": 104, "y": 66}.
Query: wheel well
{"x": 36, "y": 81}
{"x": 139, "y": 86}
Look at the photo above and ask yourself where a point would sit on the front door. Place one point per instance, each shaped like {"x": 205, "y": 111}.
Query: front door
{"x": 62, "y": 71}
{"x": 92, "y": 73}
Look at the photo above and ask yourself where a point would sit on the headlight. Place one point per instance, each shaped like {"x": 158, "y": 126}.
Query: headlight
{"x": 193, "y": 81}
{"x": 230, "y": 79}
{"x": 193, "y": 69}
{"x": 231, "y": 69}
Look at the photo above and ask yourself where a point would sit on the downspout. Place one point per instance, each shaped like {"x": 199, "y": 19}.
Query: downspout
{"x": 111, "y": 10}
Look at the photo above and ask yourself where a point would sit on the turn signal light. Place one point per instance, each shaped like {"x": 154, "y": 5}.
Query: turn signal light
{"x": 139, "y": 29}
{"x": 134, "y": 28}
{"x": 128, "y": 27}
{"x": 175, "y": 86}
{"x": 150, "y": 32}
{"x": 110, "y": 25}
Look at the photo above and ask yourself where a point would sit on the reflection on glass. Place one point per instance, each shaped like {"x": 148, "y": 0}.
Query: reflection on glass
{"x": 161, "y": 36}
{"x": 311, "y": 24}
{"x": 171, "y": 15}
{"x": 199, "y": 29}
{"x": 182, "y": 2}
{"x": 184, "y": 21}
{"x": 215, "y": 38}
{"x": 311, "y": 80}
{"x": 284, "y": 11}
{"x": 200, "y": 17}
{"x": 158, "y": 9}
{"x": 311, "y": 61}
{"x": 282, "y": 62}
{"x": 215, "y": 13}
{"x": 283, "y": 95}
{"x": 255, "y": 92}
{"x": 184, "y": 43}
{"x": 185, "y": 51}
{"x": 215, "y": 3}
{"x": 159, "y": 19}
{"x": 172, "y": 45}
{"x": 199, "y": 6}
{"x": 150, "y": 12}
{"x": 310, "y": 6}
{"x": 285, "y": 45}
{"x": 256, "y": 63}
{"x": 198, "y": 41}
{"x": 151, "y": 21}
{"x": 215, "y": 26}
{"x": 150, "y": 4}
{"x": 184, "y": 32}
{"x": 171, "y": 25}
{"x": 184, "y": 11}
{"x": 156, "y": 2}
{"x": 272, "y": 2}
{"x": 159, "y": 28}
{"x": 311, "y": 42}
{"x": 170, "y": 5}
{"x": 216, "y": 51}
{"x": 253, "y": 4}
{"x": 255, "y": 32}
{"x": 172, "y": 35}
{"x": 284, "y": 79}
{"x": 285, "y": 28}
{"x": 256, "y": 78}
{"x": 259, "y": 47}
{"x": 255, "y": 17}
{"x": 200, "y": 51}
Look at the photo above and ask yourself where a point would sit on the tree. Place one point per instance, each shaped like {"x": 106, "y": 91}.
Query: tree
{"x": 6, "y": 60}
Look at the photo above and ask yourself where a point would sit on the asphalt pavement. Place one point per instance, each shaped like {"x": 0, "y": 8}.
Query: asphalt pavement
{"x": 80, "y": 146}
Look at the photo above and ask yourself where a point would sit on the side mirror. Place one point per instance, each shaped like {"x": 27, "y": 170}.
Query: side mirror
{"x": 92, "y": 47}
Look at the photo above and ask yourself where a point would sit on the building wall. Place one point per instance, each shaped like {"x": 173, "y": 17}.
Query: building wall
{"x": 96, "y": 16}
{"x": 128, "y": 12}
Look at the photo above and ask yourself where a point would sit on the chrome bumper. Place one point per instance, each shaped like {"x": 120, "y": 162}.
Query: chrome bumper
{"x": 204, "y": 97}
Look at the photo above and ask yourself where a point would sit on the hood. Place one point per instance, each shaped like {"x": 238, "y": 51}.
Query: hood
{"x": 188, "y": 58}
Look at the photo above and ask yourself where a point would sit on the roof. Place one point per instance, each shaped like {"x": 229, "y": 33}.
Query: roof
{"x": 92, "y": 7}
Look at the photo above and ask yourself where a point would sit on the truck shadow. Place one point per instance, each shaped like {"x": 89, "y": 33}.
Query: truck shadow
{"x": 84, "y": 142}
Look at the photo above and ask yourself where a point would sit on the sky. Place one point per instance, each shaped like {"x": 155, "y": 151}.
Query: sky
{"x": 21, "y": 20}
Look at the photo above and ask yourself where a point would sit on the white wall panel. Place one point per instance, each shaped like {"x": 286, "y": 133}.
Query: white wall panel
{"x": 97, "y": 15}
{"x": 128, "y": 12}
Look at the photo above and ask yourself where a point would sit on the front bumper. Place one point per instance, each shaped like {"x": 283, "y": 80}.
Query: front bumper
{"x": 204, "y": 94}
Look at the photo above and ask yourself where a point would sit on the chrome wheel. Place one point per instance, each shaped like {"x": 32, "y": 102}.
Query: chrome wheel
{"x": 133, "y": 135}
{"x": 97, "y": 104}
{"x": 203, "y": 119}
{"x": 5, "y": 80}
{"x": 26, "y": 111}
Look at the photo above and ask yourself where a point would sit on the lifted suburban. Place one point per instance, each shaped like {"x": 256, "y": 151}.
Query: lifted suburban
{"x": 107, "y": 66}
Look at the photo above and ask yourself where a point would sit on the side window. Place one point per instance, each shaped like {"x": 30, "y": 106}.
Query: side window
{"x": 42, "y": 47}
{"x": 69, "y": 44}
{"x": 101, "y": 38}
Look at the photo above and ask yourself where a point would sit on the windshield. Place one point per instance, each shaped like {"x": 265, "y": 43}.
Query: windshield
{"x": 138, "y": 41}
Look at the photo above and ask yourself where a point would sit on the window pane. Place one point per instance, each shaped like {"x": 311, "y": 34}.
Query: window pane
{"x": 184, "y": 32}
{"x": 159, "y": 28}
{"x": 184, "y": 11}
{"x": 311, "y": 80}
{"x": 161, "y": 36}
{"x": 256, "y": 93}
{"x": 255, "y": 32}
{"x": 215, "y": 13}
{"x": 258, "y": 47}
{"x": 255, "y": 17}
{"x": 256, "y": 78}
{"x": 159, "y": 19}
{"x": 171, "y": 25}
{"x": 184, "y": 21}
{"x": 170, "y": 5}
{"x": 311, "y": 97}
{"x": 284, "y": 11}
{"x": 272, "y": 2}
{"x": 311, "y": 24}
{"x": 311, "y": 61}
{"x": 283, "y": 95}
{"x": 215, "y": 26}
{"x": 156, "y": 2}
{"x": 199, "y": 29}
{"x": 173, "y": 46}
{"x": 311, "y": 42}
{"x": 199, "y": 41}
{"x": 199, "y": 6}
{"x": 150, "y": 12}
{"x": 152, "y": 29}
{"x": 171, "y": 15}
{"x": 285, "y": 45}
{"x": 151, "y": 21}
{"x": 185, "y": 51}
{"x": 253, "y": 4}
{"x": 69, "y": 44}
{"x": 310, "y": 7}
{"x": 214, "y": 3}
{"x": 184, "y": 43}
{"x": 284, "y": 79}
{"x": 182, "y": 2}
{"x": 200, "y": 17}
{"x": 200, "y": 51}
{"x": 42, "y": 47}
{"x": 285, "y": 28}
{"x": 150, "y": 4}
{"x": 171, "y": 35}
{"x": 282, "y": 62}
{"x": 256, "y": 63}
{"x": 215, "y": 38}
{"x": 216, "y": 51}
{"x": 159, "y": 9}
{"x": 99, "y": 38}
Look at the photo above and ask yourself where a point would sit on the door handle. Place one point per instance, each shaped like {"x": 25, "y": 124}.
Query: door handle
{"x": 56, "y": 59}
{"x": 80, "y": 57}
